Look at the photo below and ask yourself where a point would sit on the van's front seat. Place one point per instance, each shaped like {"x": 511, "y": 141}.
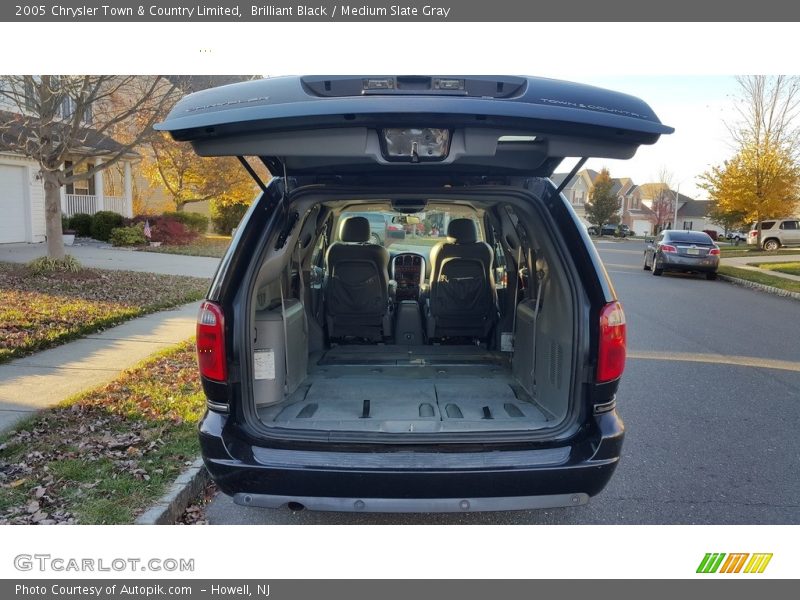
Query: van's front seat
{"x": 462, "y": 301}
{"x": 357, "y": 302}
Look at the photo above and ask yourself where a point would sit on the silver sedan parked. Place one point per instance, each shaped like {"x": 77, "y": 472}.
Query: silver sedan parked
{"x": 687, "y": 251}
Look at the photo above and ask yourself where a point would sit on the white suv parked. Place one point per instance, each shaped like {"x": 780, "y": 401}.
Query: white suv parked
{"x": 776, "y": 233}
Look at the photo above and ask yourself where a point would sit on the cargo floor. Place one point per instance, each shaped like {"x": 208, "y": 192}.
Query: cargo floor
{"x": 408, "y": 389}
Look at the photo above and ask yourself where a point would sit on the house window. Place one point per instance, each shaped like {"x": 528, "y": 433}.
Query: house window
{"x": 67, "y": 107}
{"x": 687, "y": 225}
{"x": 30, "y": 95}
{"x": 84, "y": 187}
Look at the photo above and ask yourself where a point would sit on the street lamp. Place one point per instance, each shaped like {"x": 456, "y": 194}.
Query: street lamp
{"x": 677, "y": 196}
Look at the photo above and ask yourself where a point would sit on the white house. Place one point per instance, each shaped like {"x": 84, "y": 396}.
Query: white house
{"x": 22, "y": 216}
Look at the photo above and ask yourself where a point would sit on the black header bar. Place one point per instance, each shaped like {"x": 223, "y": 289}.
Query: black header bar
{"x": 399, "y": 11}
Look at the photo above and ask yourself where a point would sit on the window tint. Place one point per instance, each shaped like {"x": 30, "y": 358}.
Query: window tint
{"x": 690, "y": 237}
{"x": 789, "y": 225}
{"x": 765, "y": 225}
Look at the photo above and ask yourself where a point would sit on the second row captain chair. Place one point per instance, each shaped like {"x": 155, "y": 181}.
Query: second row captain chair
{"x": 357, "y": 288}
{"x": 462, "y": 299}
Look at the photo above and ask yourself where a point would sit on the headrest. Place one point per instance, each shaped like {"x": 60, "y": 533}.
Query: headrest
{"x": 354, "y": 229}
{"x": 463, "y": 231}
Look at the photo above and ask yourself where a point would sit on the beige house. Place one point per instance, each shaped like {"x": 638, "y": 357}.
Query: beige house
{"x": 636, "y": 203}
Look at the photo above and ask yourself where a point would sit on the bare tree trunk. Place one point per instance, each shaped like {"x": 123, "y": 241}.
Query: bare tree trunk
{"x": 52, "y": 210}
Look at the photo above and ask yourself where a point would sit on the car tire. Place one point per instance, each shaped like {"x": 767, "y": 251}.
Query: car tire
{"x": 375, "y": 239}
{"x": 771, "y": 245}
{"x": 711, "y": 276}
{"x": 646, "y": 267}
{"x": 656, "y": 271}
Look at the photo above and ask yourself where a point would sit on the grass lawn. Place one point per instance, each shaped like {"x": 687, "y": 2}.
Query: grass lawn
{"x": 742, "y": 250}
{"x": 762, "y": 278}
{"x": 207, "y": 245}
{"x": 41, "y": 311}
{"x": 791, "y": 268}
{"x": 107, "y": 455}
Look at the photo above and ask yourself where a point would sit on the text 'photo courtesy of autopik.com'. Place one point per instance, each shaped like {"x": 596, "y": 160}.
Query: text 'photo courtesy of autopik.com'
{"x": 440, "y": 296}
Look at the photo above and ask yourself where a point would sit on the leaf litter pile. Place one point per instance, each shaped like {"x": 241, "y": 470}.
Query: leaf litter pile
{"x": 105, "y": 456}
{"x": 41, "y": 311}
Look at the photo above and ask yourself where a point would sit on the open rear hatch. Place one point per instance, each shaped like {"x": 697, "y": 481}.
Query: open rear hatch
{"x": 327, "y": 125}
{"x": 399, "y": 128}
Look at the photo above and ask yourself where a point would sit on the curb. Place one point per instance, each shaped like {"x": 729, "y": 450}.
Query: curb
{"x": 759, "y": 286}
{"x": 172, "y": 504}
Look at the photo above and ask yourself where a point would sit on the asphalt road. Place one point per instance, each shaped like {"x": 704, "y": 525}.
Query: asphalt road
{"x": 713, "y": 433}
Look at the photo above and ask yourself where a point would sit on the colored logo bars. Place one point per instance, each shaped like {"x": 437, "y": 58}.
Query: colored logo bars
{"x": 734, "y": 563}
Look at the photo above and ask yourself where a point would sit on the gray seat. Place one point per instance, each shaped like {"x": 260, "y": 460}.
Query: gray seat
{"x": 462, "y": 301}
{"x": 357, "y": 301}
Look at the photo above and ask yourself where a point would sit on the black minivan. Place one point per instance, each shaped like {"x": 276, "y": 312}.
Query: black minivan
{"x": 472, "y": 365}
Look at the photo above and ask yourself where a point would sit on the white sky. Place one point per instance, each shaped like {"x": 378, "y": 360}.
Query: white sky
{"x": 697, "y": 107}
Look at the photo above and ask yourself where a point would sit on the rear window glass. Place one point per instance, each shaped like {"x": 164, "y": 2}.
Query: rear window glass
{"x": 690, "y": 237}
{"x": 765, "y": 225}
{"x": 407, "y": 237}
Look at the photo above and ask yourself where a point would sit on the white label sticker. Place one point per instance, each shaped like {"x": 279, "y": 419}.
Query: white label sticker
{"x": 264, "y": 363}
{"x": 506, "y": 341}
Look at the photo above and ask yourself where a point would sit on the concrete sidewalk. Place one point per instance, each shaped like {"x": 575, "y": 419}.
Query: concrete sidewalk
{"x": 118, "y": 259}
{"x": 48, "y": 377}
{"x": 740, "y": 262}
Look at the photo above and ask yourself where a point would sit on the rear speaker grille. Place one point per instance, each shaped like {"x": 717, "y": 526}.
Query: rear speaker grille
{"x": 556, "y": 359}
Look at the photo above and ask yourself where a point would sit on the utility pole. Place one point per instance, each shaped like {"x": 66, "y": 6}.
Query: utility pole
{"x": 677, "y": 195}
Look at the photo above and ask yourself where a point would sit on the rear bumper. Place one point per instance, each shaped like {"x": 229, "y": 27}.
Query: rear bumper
{"x": 410, "y": 505}
{"x": 409, "y": 481}
{"x": 673, "y": 262}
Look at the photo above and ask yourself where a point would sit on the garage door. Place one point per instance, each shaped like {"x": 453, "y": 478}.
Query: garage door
{"x": 12, "y": 204}
{"x": 641, "y": 226}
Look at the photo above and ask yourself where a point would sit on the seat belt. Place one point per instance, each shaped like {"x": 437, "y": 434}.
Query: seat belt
{"x": 285, "y": 338}
{"x": 539, "y": 276}
{"x": 508, "y": 339}
{"x": 302, "y": 289}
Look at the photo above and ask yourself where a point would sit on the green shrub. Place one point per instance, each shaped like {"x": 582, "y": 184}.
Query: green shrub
{"x": 81, "y": 224}
{"x": 194, "y": 221}
{"x": 128, "y": 236}
{"x": 45, "y": 264}
{"x": 103, "y": 223}
{"x": 226, "y": 217}
{"x": 64, "y": 224}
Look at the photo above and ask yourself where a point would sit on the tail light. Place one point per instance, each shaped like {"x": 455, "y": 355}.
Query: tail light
{"x": 714, "y": 252}
{"x": 668, "y": 248}
{"x": 753, "y": 233}
{"x": 211, "y": 342}
{"x": 611, "y": 347}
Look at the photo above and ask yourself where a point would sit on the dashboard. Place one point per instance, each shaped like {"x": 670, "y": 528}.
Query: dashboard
{"x": 408, "y": 270}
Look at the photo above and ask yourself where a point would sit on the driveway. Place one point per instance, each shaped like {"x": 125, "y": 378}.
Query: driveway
{"x": 118, "y": 259}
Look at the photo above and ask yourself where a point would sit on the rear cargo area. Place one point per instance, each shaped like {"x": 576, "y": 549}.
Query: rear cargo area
{"x": 396, "y": 389}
